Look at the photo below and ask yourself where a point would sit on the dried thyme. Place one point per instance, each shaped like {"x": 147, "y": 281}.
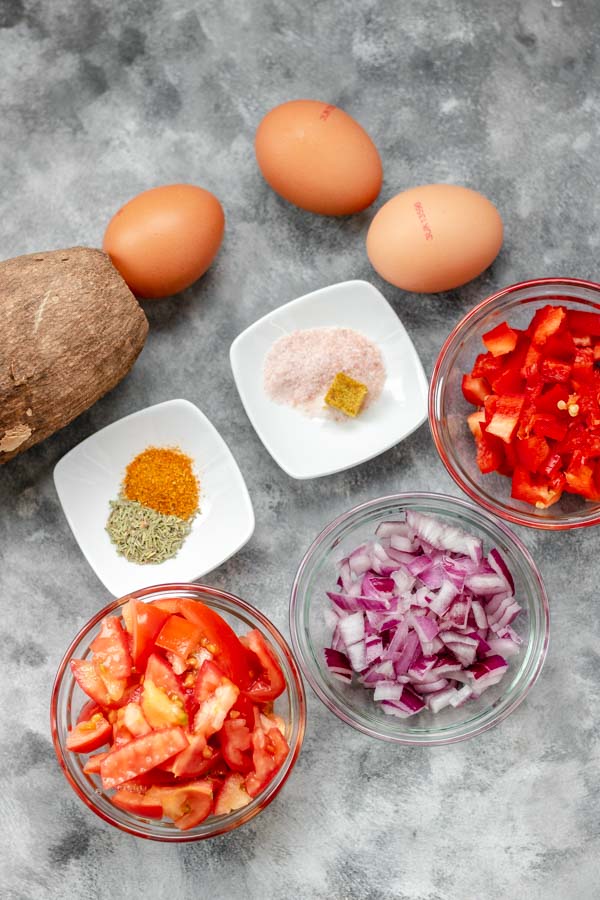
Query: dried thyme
{"x": 143, "y": 535}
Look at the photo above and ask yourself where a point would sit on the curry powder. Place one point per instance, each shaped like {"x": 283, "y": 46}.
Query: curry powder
{"x": 163, "y": 479}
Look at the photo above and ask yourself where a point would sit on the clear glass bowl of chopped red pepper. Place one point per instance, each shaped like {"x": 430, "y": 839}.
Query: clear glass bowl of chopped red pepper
{"x": 353, "y": 703}
{"x": 556, "y": 407}
{"x": 68, "y": 700}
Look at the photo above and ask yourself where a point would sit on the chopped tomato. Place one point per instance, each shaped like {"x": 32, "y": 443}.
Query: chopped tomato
{"x": 137, "y": 803}
{"x": 501, "y": 339}
{"x": 111, "y": 650}
{"x": 177, "y": 663}
{"x": 162, "y": 675}
{"x": 145, "y": 620}
{"x": 134, "y": 720}
{"x": 131, "y": 694}
{"x": 195, "y": 760}
{"x": 270, "y": 682}
{"x": 179, "y": 636}
{"x": 141, "y": 755}
{"x": 87, "y": 711}
{"x": 160, "y": 709}
{"x": 216, "y": 694}
{"x": 92, "y": 766}
{"x": 187, "y": 805}
{"x": 88, "y": 678}
{"x": 236, "y": 741}
{"x": 89, "y": 735}
{"x": 270, "y": 750}
{"x": 232, "y": 795}
{"x": 220, "y": 639}
{"x": 179, "y": 729}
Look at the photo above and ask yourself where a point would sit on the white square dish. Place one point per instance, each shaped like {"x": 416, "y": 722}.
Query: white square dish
{"x": 90, "y": 475}
{"x": 307, "y": 447}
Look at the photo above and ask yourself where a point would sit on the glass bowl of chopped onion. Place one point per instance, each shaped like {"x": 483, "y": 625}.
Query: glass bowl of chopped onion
{"x": 286, "y": 711}
{"x": 537, "y": 464}
{"x": 419, "y": 618}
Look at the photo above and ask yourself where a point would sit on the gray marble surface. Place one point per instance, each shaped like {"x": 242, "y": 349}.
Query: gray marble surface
{"x": 101, "y": 100}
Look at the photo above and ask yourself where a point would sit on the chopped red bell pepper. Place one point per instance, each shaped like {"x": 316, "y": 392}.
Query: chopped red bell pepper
{"x": 505, "y": 419}
{"x": 475, "y": 390}
{"x": 580, "y": 479}
{"x": 489, "y": 453}
{"x": 538, "y": 398}
{"x": 532, "y": 453}
{"x": 546, "y": 322}
{"x": 501, "y": 340}
{"x": 537, "y": 491}
{"x": 585, "y": 323}
{"x": 549, "y": 426}
{"x": 487, "y": 366}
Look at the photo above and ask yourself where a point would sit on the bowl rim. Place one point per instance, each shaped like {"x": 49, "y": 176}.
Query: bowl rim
{"x": 406, "y": 498}
{"x": 543, "y": 524}
{"x": 274, "y": 634}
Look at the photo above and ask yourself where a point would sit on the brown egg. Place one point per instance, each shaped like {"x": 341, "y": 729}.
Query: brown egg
{"x": 318, "y": 157}
{"x": 434, "y": 238}
{"x": 165, "y": 238}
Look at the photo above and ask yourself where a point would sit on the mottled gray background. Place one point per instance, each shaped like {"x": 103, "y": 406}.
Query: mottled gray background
{"x": 101, "y": 100}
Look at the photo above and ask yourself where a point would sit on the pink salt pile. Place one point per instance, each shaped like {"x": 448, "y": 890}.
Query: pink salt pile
{"x": 300, "y": 367}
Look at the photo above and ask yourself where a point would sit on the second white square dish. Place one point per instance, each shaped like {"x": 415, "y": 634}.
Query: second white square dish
{"x": 307, "y": 447}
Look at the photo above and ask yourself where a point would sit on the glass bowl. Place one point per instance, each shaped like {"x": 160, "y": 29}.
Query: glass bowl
{"x": 448, "y": 409}
{"x": 353, "y": 703}
{"x": 67, "y": 700}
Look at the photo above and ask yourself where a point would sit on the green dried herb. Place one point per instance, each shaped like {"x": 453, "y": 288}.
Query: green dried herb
{"x": 143, "y": 535}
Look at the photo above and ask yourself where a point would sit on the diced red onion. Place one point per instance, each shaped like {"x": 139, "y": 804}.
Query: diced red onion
{"x": 357, "y": 656}
{"x": 403, "y": 543}
{"x": 338, "y": 664}
{"x": 422, "y": 616}
{"x": 441, "y": 699}
{"x": 503, "y": 646}
{"x": 388, "y": 690}
{"x": 485, "y": 584}
{"x": 463, "y": 694}
{"x": 430, "y": 687}
{"x": 498, "y": 565}
{"x": 352, "y": 628}
{"x": 387, "y": 529}
{"x": 479, "y": 613}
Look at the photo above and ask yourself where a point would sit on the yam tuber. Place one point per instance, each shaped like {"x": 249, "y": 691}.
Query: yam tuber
{"x": 70, "y": 330}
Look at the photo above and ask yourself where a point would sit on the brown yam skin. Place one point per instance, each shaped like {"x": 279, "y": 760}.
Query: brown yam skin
{"x": 70, "y": 330}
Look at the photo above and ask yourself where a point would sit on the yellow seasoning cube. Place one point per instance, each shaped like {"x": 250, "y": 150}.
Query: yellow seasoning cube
{"x": 346, "y": 394}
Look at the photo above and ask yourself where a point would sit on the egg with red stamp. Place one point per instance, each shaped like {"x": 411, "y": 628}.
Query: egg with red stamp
{"x": 319, "y": 158}
{"x": 434, "y": 238}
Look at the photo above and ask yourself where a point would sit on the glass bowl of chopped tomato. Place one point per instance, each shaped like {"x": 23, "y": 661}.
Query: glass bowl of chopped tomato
{"x": 514, "y": 403}
{"x": 178, "y": 712}
{"x": 419, "y": 619}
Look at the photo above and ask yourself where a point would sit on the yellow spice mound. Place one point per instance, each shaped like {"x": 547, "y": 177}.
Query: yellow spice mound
{"x": 162, "y": 478}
